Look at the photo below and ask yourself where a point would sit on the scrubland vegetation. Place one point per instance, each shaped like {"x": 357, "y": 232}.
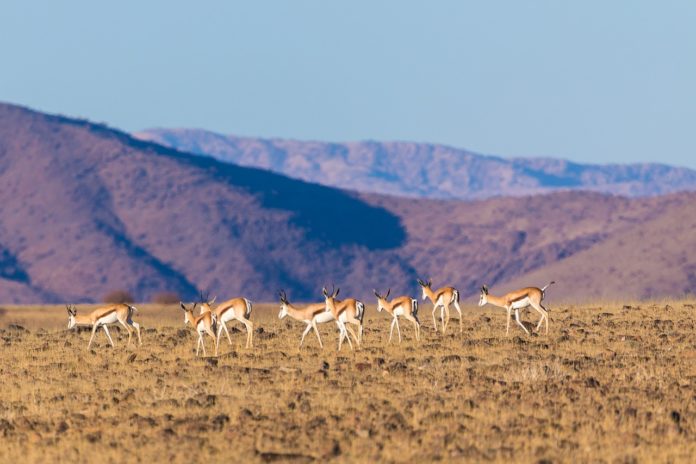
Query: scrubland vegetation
{"x": 610, "y": 383}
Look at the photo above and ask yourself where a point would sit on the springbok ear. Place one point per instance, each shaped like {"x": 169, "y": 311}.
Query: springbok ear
{"x": 182, "y": 306}
{"x": 430, "y": 282}
{"x": 324, "y": 291}
{"x": 376, "y": 294}
{"x": 213, "y": 300}
{"x": 336, "y": 292}
{"x": 420, "y": 282}
{"x": 484, "y": 289}
{"x": 388, "y": 292}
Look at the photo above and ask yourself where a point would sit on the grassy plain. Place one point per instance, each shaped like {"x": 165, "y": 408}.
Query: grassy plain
{"x": 610, "y": 383}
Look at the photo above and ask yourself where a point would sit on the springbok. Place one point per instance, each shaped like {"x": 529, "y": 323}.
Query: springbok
{"x": 236, "y": 309}
{"x": 204, "y": 323}
{"x": 529, "y": 296}
{"x": 349, "y": 310}
{"x": 443, "y": 298}
{"x": 101, "y": 317}
{"x": 400, "y": 306}
{"x": 311, "y": 315}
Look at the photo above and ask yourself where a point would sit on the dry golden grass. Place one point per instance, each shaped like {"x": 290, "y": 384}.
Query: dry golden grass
{"x": 609, "y": 384}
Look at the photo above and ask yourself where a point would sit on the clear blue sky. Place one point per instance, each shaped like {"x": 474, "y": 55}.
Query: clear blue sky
{"x": 592, "y": 81}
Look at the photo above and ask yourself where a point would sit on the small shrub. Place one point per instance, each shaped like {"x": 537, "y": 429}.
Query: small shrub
{"x": 118, "y": 296}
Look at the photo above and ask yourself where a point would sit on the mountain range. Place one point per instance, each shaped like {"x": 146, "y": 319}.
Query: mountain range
{"x": 424, "y": 170}
{"x": 86, "y": 209}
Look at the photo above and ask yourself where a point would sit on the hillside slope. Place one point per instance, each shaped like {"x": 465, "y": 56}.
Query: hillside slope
{"x": 425, "y": 170}
{"x": 85, "y": 209}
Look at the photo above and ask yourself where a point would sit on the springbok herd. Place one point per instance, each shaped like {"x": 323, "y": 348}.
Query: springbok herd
{"x": 349, "y": 311}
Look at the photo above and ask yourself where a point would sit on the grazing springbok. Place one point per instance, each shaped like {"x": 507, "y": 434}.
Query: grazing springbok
{"x": 529, "y": 296}
{"x": 400, "y": 306}
{"x": 442, "y": 297}
{"x": 204, "y": 323}
{"x": 345, "y": 311}
{"x": 101, "y": 317}
{"x": 311, "y": 315}
{"x": 236, "y": 309}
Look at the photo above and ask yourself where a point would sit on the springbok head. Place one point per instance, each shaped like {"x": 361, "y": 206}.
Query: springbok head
{"x": 283, "y": 304}
{"x": 381, "y": 300}
{"x": 188, "y": 313}
{"x": 205, "y": 302}
{"x": 330, "y": 298}
{"x": 425, "y": 285}
{"x": 72, "y": 312}
{"x": 484, "y": 295}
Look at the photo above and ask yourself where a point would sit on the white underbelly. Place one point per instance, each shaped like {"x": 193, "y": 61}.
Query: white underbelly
{"x": 399, "y": 311}
{"x": 523, "y": 303}
{"x": 108, "y": 319}
{"x": 227, "y": 316}
{"x": 326, "y": 316}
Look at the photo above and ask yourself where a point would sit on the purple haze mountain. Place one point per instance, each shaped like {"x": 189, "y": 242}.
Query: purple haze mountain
{"x": 424, "y": 170}
{"x": 85, "y": 209}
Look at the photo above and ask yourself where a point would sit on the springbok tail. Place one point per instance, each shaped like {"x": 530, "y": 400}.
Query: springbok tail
{"x": 131, "y": 309}
{"x": 361, "y": 311}
{"x": 414, "y": 309}
{"x": 455, "y": 296}
{"x": 548, "y": 285}
{"x": 248, "y": 308}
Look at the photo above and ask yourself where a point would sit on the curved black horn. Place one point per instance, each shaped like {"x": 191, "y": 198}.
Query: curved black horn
{"x": 388, "y": 292}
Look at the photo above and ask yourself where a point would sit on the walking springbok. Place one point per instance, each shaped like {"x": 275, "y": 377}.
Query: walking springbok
{"x": 311, "y": 315}
{"x": 400, "y": 306}
{"x": 101, "y": 317}
{"x": 443, "y": 298}
{"x": 236, "y": 309}
{"x": 204, "y": 323}
{"x": 349, "y": 310}
{"x": 529, "y": 296}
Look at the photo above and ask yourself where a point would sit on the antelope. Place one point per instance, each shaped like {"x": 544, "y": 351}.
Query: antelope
{"x": 400, "y": 306}
{"x": 101, "y": 317}
{"x": 442, "y": 297}
{"x": 235, "y": 309}
{"x": 204, "y": 323}
{"x": 311, "y": 315}
{"x": 348, "y": 310}
{"x": 529, "y": 296}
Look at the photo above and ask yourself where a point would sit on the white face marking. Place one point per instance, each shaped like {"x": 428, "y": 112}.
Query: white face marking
{"x": 425, "y": 295}
{"x": 483, "y": 299}
{"x": 71, "y": 321}
{"x": 283, "y": 311}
